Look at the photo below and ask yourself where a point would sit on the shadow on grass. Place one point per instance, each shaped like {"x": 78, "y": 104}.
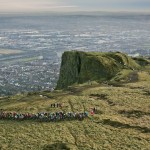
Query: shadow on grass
{"x": 146, "y": 92}
{"x": 43, "y": 120}
{"x": 103, "y": 97}
{"x": 117, "y": 124}
{"x": 116, "y": 84}
{"x": 98, "y": 112}
{"x": 99, "y": 96}
{"x": 133, "y": 113}
{"x": 56, "y": 146}
{"x": 79, "y": 90}
{"x": 133, "y": 76}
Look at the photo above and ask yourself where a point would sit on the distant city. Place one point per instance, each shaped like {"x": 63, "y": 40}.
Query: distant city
{"x": 31, "y": 46}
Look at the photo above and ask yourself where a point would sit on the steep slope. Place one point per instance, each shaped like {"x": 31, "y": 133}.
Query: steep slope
{"x": 121, "y": 121}
{"x": 80, "y": 67}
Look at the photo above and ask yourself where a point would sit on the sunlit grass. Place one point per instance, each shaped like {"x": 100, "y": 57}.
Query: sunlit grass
{"x": 122, "y": 120}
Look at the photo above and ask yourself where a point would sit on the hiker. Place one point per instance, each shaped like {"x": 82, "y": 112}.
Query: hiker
{"x": 92, "y": 114}
{"x": 81, "y": 116}
{"x": 86, "y": 114}
{"x": 60, "y": 105}
{"x": 94, "y": 109}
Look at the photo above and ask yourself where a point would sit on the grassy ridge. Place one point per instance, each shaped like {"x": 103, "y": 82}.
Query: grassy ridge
{"x": 122, "y": 120}
{"x": 80, "y": 67}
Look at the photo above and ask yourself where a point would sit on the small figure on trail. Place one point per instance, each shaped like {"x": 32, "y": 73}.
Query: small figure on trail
{"x": 92, "y": 114}
{"x": 57, "y": 105}
{"x": 86, "y": 114}
{"x": 94, "y": 109}
{"x": 80, "y": 117}
{"x": 60, "y": 105}
{"x": 52, "y": 105}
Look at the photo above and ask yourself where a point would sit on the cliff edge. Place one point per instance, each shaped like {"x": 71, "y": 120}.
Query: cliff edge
{"x": 80, "y": 67}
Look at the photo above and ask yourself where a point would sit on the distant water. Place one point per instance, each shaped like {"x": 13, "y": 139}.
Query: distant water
{"x": 60, "y": 32}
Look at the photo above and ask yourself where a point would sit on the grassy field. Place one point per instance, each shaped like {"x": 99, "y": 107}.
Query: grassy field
{"x": 122, "y": 120}
{"x": 9, "y": 51}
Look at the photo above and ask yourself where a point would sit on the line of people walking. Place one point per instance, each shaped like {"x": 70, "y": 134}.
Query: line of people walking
{"x": 43, "y": 116}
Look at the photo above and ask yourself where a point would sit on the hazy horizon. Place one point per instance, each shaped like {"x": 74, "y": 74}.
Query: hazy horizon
{"x": 8, "y": 6}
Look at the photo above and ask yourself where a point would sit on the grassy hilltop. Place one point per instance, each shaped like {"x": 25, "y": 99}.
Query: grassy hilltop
{"x": 121, "y": 122}
{"x": 80, "y": 67}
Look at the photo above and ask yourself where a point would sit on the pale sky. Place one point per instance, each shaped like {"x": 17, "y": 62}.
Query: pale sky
{"x": 73, "y": 5}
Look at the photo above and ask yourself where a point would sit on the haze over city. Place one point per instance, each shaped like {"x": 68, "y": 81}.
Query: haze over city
{"x": 7, "y": 6}
{"x": 35, "y": 33}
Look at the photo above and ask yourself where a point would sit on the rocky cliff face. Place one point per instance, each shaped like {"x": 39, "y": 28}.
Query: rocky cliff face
{"x": 80, "y": 67}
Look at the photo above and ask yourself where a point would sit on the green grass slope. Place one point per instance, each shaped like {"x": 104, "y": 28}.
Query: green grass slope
{"x": 122, "y": 120}
{"x": 80, "y": 67}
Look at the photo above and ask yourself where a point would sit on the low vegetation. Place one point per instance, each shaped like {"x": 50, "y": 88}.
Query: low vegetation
{"x": 121, "y": 121}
